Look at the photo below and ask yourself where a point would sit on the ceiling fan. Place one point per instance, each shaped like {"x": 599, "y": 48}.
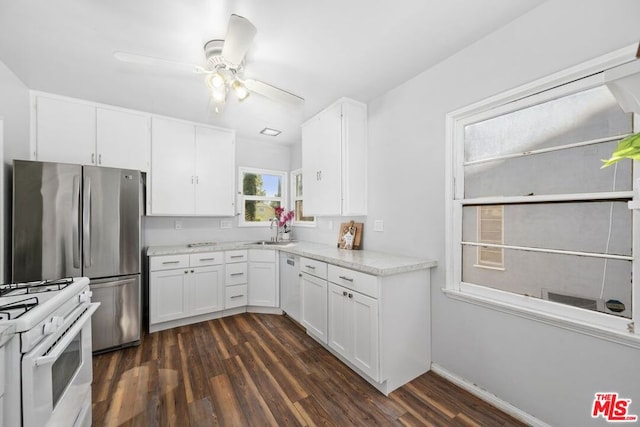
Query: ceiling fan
{"x": 224, "y": 69}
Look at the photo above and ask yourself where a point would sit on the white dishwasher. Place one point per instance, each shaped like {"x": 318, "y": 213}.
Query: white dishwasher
{"x": 290, "y": 286}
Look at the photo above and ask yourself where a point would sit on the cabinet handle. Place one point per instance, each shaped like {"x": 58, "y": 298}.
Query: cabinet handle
{"x": 344, "y": 293}
{"x": 99, "y": 159}
{"x": 197, "y": 179}
{"x": 93, "y": 158}
{"x": 236, "y": 296}
{"x": 310, "y": 266}
{"x": 350, "y": 295}
{"x": 192, "y": 271}
{"x": 237, "y": 274}
{"x": 348, "y": 279}
{"x": 170, "y": 262}
{"x": 207, "y": 259}
{"x": 186, "y": 272}
{"x": 236, "y": 256}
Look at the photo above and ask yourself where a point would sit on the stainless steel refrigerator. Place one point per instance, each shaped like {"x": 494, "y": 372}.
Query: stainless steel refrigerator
{"x": 72, "y": 220}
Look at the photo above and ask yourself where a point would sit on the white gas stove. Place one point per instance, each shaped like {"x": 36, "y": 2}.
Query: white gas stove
{"x": 48, "y": 363}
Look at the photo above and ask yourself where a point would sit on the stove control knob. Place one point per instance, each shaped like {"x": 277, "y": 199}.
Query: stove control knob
{"x": 53, "y": 325}
{"x": 86, "y": 296}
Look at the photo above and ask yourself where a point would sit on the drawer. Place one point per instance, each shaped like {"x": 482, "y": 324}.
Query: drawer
{"x": 235, "y": 296}
{"x": 262, "y": 255}
{"x": 360, "y": 282}
{"x": 236, "y": 274}
{"x": 206, "y": 258}
{"x": 168, "y": 262}
{"x": 313, "y": 267}
{"x": 235, "y": 256}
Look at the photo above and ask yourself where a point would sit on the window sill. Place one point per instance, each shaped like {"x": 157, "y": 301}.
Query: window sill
{"x": 586, "y": 328}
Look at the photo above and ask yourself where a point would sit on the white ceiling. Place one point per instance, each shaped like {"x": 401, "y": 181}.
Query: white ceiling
{"x": 319, "y": 50}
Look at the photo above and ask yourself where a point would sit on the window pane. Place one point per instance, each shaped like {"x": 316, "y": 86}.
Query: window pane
{"x": 299, "y": 185}
{"x": 259, "y": 211}
{"x": 569, "y": 171}
{"x": 261, "y": 185}
{"x": 583, "y": 116}
{"x": 299, "y": 213}
{"x": 562, "y": 278}
{"x": 578, "y": 226}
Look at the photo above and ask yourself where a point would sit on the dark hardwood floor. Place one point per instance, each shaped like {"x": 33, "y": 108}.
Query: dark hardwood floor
{"x": 258, "y": 369}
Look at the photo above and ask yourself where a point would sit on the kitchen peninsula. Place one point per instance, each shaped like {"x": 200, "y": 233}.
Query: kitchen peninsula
{"x": 370, "y": 309}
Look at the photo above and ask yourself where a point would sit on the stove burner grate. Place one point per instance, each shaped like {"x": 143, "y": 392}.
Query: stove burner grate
{"x": 18, "y": 308}
{"x": 35, "y": 287}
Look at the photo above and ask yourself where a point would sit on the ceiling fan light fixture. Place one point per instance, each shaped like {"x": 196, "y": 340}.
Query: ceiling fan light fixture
{"x": 219, "y": 94}
{"x": 216, "y": 80}
{"x": 239, "y": 89}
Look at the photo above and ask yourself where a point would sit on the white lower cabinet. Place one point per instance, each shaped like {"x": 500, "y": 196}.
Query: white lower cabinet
{"x": 236, "y": 279}
{"x": 263, "y": 278}
{"x": 167, "y": 296}
{"x": 314, "y": 297}
{"x": 183, "y": 287}
{"x": 353, "y": 328}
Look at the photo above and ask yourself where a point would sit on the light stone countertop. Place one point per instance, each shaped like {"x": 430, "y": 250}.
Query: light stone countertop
{"x": 371, "y": 262}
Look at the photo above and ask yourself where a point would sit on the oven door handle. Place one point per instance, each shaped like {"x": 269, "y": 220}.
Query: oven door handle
{"x": 69, "y": 336}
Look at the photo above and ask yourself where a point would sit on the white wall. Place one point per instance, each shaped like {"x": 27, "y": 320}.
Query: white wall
{"x": 548, "y": 372}
{"x": 249, "y": 153}
{"x": 14, "y": 110}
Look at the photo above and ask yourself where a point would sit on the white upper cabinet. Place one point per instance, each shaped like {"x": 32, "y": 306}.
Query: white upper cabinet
{"x": 79, "y": 132}
{"x": 123, "y": 139}
{"x": 334, "y": 152}
{"x": 65, "y": 131}
{"x": 172, "y": 168}
{"x": 215, "y": 172}
{"x": 192, "y": 169}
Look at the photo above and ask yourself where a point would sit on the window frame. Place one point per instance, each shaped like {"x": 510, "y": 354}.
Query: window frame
{"x": 596, "y": 324}
{"x": 242, "y": 197}
{"x": 295, "y": 198}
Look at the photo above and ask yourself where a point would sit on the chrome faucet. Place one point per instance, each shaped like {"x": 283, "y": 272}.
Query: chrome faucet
{"x": 275, "y": 220}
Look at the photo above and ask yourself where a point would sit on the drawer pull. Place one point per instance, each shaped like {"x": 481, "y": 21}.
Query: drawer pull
{"x": 348, "y": 279}
{"x": 310, "y": 266}
{"x": 237, "y": 274}
{"x": 350, "y": 295}
{"x": 344, "y": 293}
{"x": 207, "y": 259}
{"x": 170, "y": 262}
{"x": 236, "y": 256}
{"x": 236, "y": 296}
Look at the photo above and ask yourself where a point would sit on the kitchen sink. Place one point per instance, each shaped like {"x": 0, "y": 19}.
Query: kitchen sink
{"x": 271, "y": 243}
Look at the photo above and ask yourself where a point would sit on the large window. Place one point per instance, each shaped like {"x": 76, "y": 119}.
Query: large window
{"x": 298, "y": 200}
{"x": 260, "y": 193}
{"x": 537, "y": 226}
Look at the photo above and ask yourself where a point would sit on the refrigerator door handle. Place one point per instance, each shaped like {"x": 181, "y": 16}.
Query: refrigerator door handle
{"x": 86, "y": 222}
{"x": 75, "y": 224}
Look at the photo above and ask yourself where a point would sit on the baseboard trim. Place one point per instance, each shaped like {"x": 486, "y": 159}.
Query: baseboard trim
{"x": 488, "y": 397}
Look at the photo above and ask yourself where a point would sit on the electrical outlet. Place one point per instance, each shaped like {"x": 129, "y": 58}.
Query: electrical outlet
{"x": 378, "y": 225}
{"x": 177, "y": 224}
{"x": 225, "y": 223}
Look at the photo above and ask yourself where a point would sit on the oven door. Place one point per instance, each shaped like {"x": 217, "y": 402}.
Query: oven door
{"x": 57, "y": 375}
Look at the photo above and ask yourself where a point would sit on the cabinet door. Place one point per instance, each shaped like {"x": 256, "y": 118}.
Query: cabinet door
{"x": 207, "y": 289}
{"x": 215, "y": 172}
{"x": 263, "y": 290}
{"x": 123, "y": 139}
{"x": 339, "y": 321}
{"x": 365, "y": 334}
{"x": 322, "y": 163}
{"x": 65, "y": 131}
{"x": 172, "y": 168}
{"x": 314, "y": 306}
{"x": 167, "y": 295}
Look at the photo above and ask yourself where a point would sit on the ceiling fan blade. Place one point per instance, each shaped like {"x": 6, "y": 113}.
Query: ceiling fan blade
{"x": 273, "y": 92}
{"x": 240, "y": 34}
{"x": 151, "y": 61}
